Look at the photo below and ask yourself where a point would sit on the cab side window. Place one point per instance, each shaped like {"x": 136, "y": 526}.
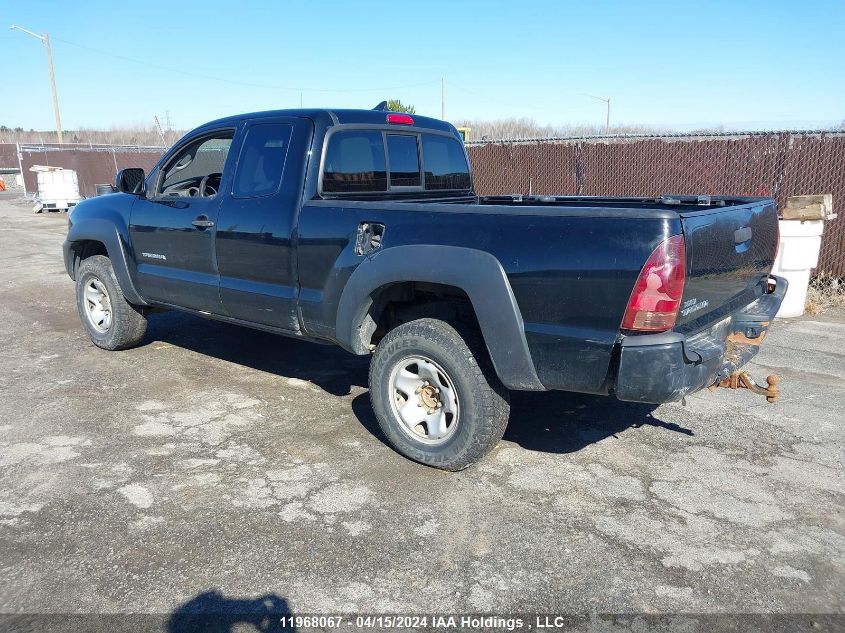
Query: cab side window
{"x": 262, "y": 160}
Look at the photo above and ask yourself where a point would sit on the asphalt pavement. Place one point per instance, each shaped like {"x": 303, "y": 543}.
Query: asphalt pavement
{"x": 216, "y": 465}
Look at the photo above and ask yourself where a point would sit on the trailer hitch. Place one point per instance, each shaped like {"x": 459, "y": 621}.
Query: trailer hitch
{"x": 743, "y": 380}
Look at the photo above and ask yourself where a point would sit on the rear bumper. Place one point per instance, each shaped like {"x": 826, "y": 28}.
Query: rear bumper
{"x": 658, "y": 368}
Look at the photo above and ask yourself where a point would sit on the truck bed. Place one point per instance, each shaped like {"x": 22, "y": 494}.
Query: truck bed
{"x": 570, "y": 261}
{"x": 730, "y": 241}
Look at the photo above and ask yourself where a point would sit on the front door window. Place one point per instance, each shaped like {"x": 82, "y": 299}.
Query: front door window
{"x": 197, "y": 169}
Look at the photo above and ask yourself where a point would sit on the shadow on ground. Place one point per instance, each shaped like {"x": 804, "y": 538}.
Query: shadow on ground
{"x": 561, "y": 422}
{"x": 554, "y": 421}
{"x": 550, "y": 422}
{"x": 212, "y": 612}
{"x": 327, "y": 366}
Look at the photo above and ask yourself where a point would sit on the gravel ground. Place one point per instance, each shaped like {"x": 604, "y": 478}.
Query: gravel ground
{"x": 215, "y": 466}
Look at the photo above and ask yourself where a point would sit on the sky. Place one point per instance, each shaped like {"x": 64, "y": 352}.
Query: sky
{"x": 741, "y": 64}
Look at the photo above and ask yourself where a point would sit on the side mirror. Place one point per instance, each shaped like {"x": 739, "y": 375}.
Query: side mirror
{"x": 130, "y": 180}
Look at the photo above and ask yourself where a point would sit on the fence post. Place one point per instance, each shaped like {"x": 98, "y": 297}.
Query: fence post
{"x": 579, "y": 170}
{"x": 20, "y": 166}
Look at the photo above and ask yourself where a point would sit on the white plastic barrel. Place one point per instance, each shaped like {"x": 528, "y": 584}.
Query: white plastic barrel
{"x": 798, "y": 254}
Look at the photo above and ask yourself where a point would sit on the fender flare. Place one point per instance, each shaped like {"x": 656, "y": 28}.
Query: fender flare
{"x": 108, "y": 233}
{"x": 477, "y": 273}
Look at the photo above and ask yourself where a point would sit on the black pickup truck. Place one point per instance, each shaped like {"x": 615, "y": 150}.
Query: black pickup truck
{"x": 361, "y": 228}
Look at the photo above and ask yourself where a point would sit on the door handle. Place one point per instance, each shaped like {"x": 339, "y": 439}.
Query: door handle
{"x": 202, "y": 222}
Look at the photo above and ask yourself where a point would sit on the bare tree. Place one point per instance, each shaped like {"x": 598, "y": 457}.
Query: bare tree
{"x": 523, "y": 128}
{"x": 137, "y": 134}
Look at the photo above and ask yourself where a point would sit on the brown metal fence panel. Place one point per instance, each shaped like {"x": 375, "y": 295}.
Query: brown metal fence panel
{"x": 652, "y": 167}
{"x": 777, "y": 164}
{"x": 93, "y": 166}
{"x": 8, "y": 156}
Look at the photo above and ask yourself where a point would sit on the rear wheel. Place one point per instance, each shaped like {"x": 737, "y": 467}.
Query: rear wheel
{"x": 111, "y": 321}
{"x": 436, "y": 395}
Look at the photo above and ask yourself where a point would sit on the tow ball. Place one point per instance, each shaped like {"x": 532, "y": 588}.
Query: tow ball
{"x": 743, "y": 380}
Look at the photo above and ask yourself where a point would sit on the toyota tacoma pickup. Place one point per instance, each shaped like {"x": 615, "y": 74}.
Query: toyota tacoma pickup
{"x": 361, "y": 228}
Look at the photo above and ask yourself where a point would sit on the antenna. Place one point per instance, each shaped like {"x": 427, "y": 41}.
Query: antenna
{"x": 382, "y": 106}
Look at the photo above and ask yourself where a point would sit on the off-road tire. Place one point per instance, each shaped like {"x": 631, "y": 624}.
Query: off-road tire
{"x": 484, "y": 401}
{"x": 128, "y": 323}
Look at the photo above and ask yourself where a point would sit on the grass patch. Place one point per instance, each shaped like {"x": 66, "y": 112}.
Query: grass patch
{"x": 825, "y": 293}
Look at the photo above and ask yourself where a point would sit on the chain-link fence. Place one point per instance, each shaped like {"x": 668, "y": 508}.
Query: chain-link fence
{"x": 776, "y": 164}
{"x": 93, "y": 164}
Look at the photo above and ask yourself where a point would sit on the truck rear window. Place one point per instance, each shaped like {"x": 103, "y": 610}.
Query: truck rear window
{"x": 375, "y": 161}
{"x": 404, "y": 160}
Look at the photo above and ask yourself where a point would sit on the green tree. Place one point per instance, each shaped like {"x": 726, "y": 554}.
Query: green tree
{"x": 394, "y": 105}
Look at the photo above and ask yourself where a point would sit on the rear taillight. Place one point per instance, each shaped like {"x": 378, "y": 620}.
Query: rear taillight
{"x": 656, "y": 297}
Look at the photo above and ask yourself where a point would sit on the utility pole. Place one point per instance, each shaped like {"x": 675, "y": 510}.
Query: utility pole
{"x": 443, "y": 98}
{"x": 607, "y": 120}
{"x": 160, "y": 131}
{"x": 46, "y": 40}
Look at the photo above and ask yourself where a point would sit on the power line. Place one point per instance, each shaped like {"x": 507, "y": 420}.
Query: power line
{"x": 525, "y": 108}
{"x": 461, "y": 88}
{"x": 236, "y": 81}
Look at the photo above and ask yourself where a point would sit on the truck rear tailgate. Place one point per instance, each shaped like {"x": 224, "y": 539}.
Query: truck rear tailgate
{"x": 730, "y": 249}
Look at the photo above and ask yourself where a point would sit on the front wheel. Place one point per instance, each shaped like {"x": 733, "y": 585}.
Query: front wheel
{"x": 112, "y": 322}
{"x": 436, "y": 395}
